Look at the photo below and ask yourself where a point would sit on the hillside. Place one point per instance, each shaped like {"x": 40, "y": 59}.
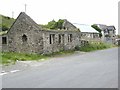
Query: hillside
{"x": 6, "y": 22}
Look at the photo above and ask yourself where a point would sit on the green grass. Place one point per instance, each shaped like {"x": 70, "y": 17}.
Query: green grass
{"x": 6, "y": 22}
{"x": 92, "y": 46}
{"x": 12, "y": 57}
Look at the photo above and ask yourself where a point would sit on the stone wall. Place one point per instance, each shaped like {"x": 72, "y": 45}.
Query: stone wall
{"x": 55, "y": 41}
{"x": 42, "y": 41}
{"x": 68, "y": 26}
{"x": 23, "y": 36}
{"x": 90, "y": 36}
{"x": 4, "y": 48}
{"x": 4, "y": 43}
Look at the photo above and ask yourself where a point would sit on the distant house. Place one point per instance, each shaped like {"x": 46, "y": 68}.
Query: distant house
{"x": 87, "y": 32}
{"x": 111, "y": 31}
{"x": 108, "y": 32}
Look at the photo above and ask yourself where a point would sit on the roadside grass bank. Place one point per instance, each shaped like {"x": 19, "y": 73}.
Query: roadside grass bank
{"x": 93, "y": 46}
{"x": 12, "y": 57}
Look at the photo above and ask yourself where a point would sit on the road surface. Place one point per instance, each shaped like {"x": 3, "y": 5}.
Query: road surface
{"x": 97, "y": 69}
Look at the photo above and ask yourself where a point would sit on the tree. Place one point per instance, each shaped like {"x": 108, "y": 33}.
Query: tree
{"x": 52, "y": 24}
{"x": 98, "y": 29}
{"x": 60, "y": 23}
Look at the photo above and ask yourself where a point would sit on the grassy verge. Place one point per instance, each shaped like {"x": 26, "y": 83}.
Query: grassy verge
{"x": 92, "y": 46}
{"x": 12, "y": 57}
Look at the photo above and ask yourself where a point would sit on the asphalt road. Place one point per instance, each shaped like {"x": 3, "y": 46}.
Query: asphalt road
{"x": 97, "y": 69}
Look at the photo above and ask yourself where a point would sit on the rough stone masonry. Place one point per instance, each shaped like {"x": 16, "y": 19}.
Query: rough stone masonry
{"x": 25, "y": 36}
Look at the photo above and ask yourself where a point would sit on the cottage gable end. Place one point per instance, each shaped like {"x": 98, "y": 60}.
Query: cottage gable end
{"x": 24, "y": 23}
{"x": 68, "y": 26}
{"x": 25, "y": 35}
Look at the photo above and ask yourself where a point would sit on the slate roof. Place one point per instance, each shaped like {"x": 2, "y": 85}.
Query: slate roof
{"x": 104, "y": 27}
{"x": 111, "y": 28}
{"x": 101, "y": 26}
{"x": 85, "y": 28}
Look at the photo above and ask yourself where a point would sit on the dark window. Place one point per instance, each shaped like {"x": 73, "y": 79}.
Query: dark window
{"x": 64, "y": 28}
{"x": 59, "y": 38}
{"x": 81, "y": 35}
{"x": 4, "y": 40}
{"x": 113, "y": 31}
{"x": 52, "y": 38}
{"x": 70, "y": 38}
{"x": 93, "y": 35}
{"x": 62, "y": 38}
{"x": 24, "y": 38}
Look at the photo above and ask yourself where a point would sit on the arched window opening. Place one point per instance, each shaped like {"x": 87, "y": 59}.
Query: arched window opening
{"x": 24, "y": 38}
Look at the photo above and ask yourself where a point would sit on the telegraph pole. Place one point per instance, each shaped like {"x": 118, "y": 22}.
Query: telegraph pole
{"x": 12, "y": 14}
{"x": 25, "y": 8}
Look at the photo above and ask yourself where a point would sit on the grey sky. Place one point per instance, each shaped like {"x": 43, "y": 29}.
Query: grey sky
{"x": 76, "y": 11}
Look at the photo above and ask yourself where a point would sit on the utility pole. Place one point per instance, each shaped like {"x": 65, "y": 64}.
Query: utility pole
{"x": 25, "y": 8}
{"x": 12, "y": 14}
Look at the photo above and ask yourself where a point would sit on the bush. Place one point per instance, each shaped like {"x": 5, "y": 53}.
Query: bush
{"x": 54, "y": 25}
{"x": 94, "y": 46}
{"x": 77, "y": 48}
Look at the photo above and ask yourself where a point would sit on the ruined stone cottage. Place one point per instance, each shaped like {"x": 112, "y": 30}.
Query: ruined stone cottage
{"x": 25, "y": 36}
